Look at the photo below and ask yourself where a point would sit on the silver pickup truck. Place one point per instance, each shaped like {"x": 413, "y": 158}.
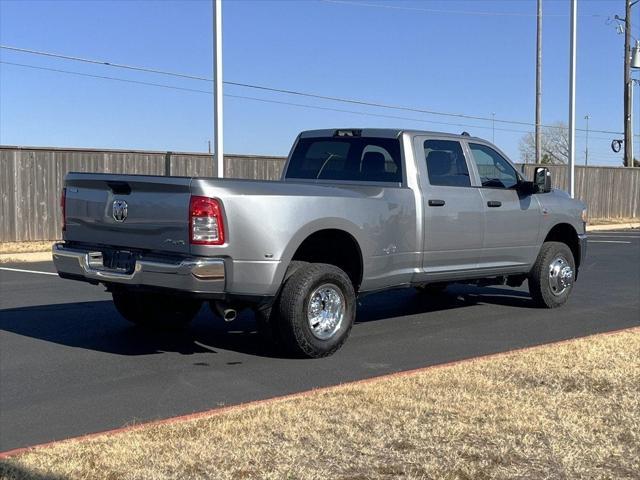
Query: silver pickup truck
{"x": 356, "y": 211}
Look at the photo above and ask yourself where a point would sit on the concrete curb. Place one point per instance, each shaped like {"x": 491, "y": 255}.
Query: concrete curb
{"x": 614, "y": 226}
{"x": 305, "y": 393}
{"x": 25, "y": 257}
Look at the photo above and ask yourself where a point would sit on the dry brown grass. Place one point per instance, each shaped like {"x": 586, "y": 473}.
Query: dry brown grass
{"x": 561, "y": 411}
{"x": 26, "y": 247}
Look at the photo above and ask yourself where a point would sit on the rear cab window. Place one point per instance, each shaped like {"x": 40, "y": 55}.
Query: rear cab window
{"x": 346, "y": 158}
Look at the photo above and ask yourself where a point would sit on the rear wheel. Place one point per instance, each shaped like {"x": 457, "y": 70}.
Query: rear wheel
{"x": 552, "y": 276}
{"x": 153, "y": 310}
{"x": 316, "y": 310}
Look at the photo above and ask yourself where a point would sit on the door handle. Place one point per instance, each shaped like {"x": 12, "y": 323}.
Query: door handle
{"x": 436, "y": 203}
{"x": 494, "y": 203}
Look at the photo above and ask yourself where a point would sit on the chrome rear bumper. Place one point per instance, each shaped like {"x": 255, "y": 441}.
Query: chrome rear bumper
{"x": 195, "y": 275}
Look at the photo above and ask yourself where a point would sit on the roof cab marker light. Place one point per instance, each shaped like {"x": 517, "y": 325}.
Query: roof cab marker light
{"x": 348, "y": 133}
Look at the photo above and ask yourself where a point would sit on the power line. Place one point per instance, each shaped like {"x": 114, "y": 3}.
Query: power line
{"x": 292, "y": 92}
{"x": 105, "y": 77}
{"x": 372, "y": 114}
{"x": 447, "y": 12}
{"x": 597, "y": 155}
{"x": 104, "y": 63}
{"x": 152, "y": 84}
{"x": 279, "y": 102}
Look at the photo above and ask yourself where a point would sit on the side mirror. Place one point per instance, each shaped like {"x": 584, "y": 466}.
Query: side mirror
{"x": 542, "y": 179}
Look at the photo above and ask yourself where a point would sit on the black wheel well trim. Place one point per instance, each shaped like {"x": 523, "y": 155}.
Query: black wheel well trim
{"x": 353, "y": 265}
{"x": 566, "y": 233}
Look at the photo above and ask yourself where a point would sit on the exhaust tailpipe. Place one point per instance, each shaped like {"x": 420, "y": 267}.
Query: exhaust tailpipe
{"x": 223, "y": 309}
{"x": 229, "y": 314}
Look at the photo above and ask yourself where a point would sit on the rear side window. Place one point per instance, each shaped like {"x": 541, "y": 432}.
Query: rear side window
{"x": 347, "y": 158}
{"x": 446, "y": 164}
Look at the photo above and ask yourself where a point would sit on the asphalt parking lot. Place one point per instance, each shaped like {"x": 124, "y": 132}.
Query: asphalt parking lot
{"x": 70, "y": 365}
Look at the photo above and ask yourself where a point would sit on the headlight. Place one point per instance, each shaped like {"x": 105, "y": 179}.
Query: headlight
{"x": 585, "y": 216}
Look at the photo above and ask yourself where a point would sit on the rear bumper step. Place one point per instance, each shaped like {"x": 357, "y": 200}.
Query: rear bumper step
{"x": 194, "y": 275}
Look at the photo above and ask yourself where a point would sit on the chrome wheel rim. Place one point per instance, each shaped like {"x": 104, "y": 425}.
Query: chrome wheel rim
{"x": 560, "y": 275}
{"x": 325, "y": 311}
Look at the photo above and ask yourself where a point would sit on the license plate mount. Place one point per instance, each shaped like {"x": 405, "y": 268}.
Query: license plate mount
{"x": 119, "y": 260}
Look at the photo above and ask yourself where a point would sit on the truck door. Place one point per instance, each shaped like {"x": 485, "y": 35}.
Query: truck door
{"x": 452, "y": 205}
{"x": 512, "y": 218}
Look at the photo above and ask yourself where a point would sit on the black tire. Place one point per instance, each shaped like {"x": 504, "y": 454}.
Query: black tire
{"x": 267, "y": 315}
{"x": 158, "y": 311}
{"x": 545, "y": 292}
{"x": 295, "y": 330}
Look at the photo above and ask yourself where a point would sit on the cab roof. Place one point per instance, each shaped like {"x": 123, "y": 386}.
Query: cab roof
{"x": 381, "y": 133}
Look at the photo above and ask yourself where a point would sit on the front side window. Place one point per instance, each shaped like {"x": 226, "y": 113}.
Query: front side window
{"x": 446, "y": 164}
{"x": 495, "y": 171}
{"x": 366, "y": 159}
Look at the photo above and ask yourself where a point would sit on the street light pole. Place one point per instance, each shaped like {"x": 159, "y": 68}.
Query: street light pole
{"x": 217, "y": 87}
{"x": 572, "y": 99}
{"x": 539, "y": 84}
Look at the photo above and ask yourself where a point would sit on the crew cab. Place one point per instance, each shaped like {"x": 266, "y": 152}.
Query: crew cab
{"x": 356, "y": 211}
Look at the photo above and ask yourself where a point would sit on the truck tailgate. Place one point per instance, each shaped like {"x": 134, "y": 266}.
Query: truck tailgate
{"x": 129, "y": 211}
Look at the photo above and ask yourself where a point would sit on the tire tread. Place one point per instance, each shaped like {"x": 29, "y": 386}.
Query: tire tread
{"x": 538, "y": 288}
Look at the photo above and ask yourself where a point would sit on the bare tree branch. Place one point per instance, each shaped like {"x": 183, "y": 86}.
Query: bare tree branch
{"x": 555, "y": 145}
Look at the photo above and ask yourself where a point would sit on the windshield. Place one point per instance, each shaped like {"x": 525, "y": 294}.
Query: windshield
{"x": 367, "y": 159}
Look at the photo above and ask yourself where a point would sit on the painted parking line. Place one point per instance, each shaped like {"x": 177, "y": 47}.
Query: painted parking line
{"x": 8, "y": 269}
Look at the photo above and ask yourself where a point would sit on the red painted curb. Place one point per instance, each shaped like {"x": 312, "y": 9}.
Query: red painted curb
{"x": 220, "y": 410}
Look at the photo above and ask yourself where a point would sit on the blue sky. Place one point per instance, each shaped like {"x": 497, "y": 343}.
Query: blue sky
{"x": 471, "y": 57}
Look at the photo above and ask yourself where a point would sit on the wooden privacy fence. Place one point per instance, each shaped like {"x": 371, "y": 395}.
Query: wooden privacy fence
{"x": 31, "y": 180}
{"x": 610, "y": 193}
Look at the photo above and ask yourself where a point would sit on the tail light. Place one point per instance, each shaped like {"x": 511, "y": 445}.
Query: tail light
{"x": 63, "y": 208}
{"x": 205, "y": 221}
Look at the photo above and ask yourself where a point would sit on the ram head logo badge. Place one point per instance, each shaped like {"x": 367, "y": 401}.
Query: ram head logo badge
{"x": 119, "y": 210}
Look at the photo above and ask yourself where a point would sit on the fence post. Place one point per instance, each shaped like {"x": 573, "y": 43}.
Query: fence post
{"x": 167, "y": 164}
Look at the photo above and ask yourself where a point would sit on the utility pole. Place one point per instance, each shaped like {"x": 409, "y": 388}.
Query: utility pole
{"x": 217, "y": 86}
{"x": 572, "y": 99}
{"x": 586, "y": 148}
{"x": 539, "y": 84}
{"x": 628, "y": 130}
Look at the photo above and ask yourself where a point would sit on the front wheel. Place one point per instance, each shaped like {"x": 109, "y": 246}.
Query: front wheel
{"x": 316, "y": 310}
{"x": 552, "y": 276}
{"x": 152, "y": 310}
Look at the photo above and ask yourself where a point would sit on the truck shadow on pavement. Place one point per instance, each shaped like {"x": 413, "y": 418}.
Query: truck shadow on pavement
{"x": 97, "y": 325}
